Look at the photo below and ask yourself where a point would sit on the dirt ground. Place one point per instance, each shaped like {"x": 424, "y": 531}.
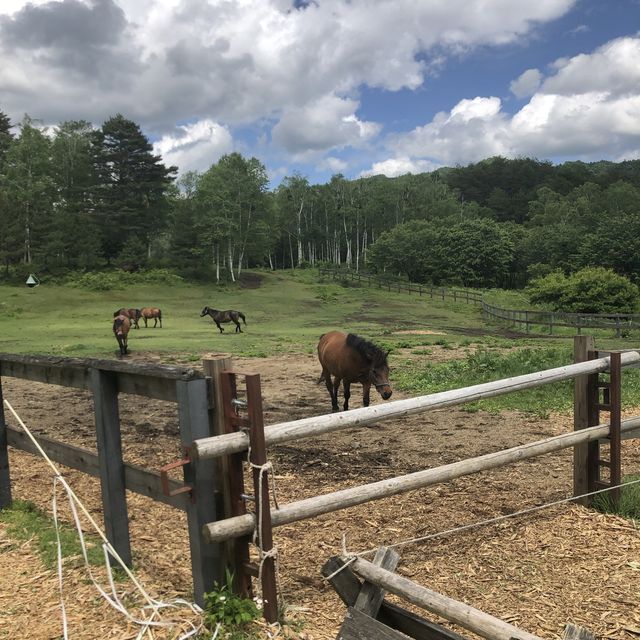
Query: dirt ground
{"x": 539, "y": 571}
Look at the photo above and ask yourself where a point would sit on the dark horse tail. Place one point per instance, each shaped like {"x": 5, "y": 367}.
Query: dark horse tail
{"x": 242, "y": 316}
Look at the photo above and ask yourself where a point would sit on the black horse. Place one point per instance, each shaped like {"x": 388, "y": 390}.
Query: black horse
{"x": 224, "y": 316}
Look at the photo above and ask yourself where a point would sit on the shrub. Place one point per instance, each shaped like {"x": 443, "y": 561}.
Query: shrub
{"x": 590, "y": 290}
{"x": 107, "y": 280}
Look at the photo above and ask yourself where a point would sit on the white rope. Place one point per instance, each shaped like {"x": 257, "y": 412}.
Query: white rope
{"x": 113, "y": 599}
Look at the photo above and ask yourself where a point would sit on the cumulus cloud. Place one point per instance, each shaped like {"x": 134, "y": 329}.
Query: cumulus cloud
{"x": 526, "y": 84}
{"x": 393, "y": 167}
{"x": 194, "y": 146}
{"x": 239, "y": 62}
{"x": 324, "y": 124}
{"x": 588, "y": 108}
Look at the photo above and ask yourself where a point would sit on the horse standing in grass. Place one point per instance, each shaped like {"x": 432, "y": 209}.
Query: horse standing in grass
{"x": 149, "y": 313}
{"x": 133, "y": 315}
{"x": 121, "y": 326}
{"x": 350, "y": 358}
{"x": 224, "y": 316}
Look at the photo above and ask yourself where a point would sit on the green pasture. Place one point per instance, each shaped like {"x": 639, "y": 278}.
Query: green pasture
{"x": 286, "y": 313}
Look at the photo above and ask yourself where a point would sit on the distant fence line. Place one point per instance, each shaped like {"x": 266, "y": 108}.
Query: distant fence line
{"x": 520, "y": 318}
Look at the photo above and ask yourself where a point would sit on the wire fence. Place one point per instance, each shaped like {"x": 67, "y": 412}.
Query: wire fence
{"x": 526, "y": 320}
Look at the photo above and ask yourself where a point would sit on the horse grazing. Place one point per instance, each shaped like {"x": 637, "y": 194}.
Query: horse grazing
{"x": 224, "y": 316}
{"x": 147, "y": 313}
{"x": 121, "y": 326}
{"x": 133, "y": 315}
{"x": 350, "y": 358}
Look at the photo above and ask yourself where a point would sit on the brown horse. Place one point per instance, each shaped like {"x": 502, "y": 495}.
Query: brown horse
{"x": 133, "y": 315}
{"x": 121, "y": 326}
{"x": 350, "y": 358}
{"x": 147, "y": 313}
{"x": 224, "y": 316}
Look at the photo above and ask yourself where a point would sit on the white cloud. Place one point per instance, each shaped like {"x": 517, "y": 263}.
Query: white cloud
{"x": 526, "y": 84}
{"x": 393, "y": 167}
{"x": 238, "y": 62}
{"x": 330, "y": 163}
{"x": 195, "y": 146}
{"x": 589, "y": 109}
{"x": 327, "y": 123}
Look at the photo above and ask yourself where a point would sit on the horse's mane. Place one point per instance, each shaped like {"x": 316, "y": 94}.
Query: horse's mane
{"x": 367, "y": 349}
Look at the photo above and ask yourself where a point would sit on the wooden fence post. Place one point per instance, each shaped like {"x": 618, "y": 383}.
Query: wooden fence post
{"x": 112, "y": 483}
{"x": 212, "y": 369}
{"x": 5, "y": 477}
{"x": 193, "y": 413}
{"x": 583, "y": 415}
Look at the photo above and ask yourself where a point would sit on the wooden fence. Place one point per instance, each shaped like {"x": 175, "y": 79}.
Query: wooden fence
{"x": 521, "y": 319}
{"x": 591, "y": 396}
{"x": 199, "y": 495}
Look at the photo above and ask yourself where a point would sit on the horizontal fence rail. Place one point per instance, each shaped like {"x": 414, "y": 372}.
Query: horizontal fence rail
{"x": 523, "y": 318}
{"x": 152, "y": 381}
{"x": 298, "y": 429}
{"x": 345, "y": 498}
{"x": 136, "y": 478}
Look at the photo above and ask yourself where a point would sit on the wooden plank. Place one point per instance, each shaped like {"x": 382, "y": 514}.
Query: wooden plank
{"x": 5, "y": 478}
{"x": 347, "y": 586}
{"x": 206, "y": 560}
{"x": 261, "y": 493}
{"x": 583, "y": 346}
{"x": 317, "y": 505}
{"x": 459, "y": 613}
{"x": 371, "y": 595}
{"x": 153, "y": 381}
{"x": 110, "y": 462}
{"x": 137, "y": 479}
{"x": 359, "y": 626}
{"x": 575, "y": 632}
{"x": 298, "y": 429}
{"x": 213, "y": 368}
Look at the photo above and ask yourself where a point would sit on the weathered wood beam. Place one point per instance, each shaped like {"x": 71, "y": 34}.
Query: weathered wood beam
{"x": 298, "y": 429}
{"x": 315, "y": 506}
{"x": 462, "y": 614}
{"x": 137, "y": 479}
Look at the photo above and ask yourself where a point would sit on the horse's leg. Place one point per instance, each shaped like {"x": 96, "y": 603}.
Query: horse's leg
{"x": 326, "y": 376}
{"x": 219, "y": 327}
{"x": 238, "y": 328}
{"x": 334, "y": 396}
{"x": 366, "y": 388}
{"x": 145, "y": 321}
{"x": 347, "y": 394}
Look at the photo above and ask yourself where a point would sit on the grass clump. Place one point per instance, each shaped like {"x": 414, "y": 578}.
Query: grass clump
{"x": 25, "y": 521}
{"x": 629, "y": 503}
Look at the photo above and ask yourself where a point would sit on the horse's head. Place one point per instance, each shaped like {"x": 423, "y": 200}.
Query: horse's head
{"x": 119, "y": 325}
{"x": 379, "y": 378}
{"x": 204, "y": 312}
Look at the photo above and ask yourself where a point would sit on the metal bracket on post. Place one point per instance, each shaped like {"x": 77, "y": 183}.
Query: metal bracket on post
{"x": 164, "y": 477}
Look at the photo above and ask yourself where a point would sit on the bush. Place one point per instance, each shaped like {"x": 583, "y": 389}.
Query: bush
{"x": 590, "y": 290}
{"x": 108, "y": 280}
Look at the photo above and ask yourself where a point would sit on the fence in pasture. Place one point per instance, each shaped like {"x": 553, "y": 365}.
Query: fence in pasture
{"x": 592, "y": 395}
{"x": 521, "y": 319}
{"x": 216, "y": 435}
{"x": 198, "y": 495}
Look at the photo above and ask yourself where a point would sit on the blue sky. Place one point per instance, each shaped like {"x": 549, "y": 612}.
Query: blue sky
{"x": 357, "y": 87}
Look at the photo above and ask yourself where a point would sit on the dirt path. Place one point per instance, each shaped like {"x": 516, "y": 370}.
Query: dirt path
{"x": 564, "y": 564}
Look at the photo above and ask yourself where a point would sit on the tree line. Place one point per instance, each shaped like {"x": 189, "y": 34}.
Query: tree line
{"x": 80, "y": 197}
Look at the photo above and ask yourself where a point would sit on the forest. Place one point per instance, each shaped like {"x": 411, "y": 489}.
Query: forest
{"x": 80, "y": 198}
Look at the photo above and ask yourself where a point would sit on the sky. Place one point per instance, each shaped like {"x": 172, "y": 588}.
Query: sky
{"x": 357, "y": 87}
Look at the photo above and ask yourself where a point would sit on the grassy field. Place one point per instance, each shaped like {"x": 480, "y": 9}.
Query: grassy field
{"x": 286, "y": 313}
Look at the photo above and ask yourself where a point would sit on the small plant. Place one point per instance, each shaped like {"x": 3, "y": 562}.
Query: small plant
{"x": 225, "y": 608}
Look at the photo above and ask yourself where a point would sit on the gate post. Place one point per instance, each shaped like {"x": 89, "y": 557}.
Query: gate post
{"x": 193, "y": 415}
{"x": 104, "y": 385}
{"x": 585, "y": 414}
{"x": 5, "y": 478}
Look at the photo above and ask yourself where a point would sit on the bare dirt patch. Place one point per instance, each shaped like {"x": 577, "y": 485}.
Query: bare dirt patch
{"x": 539, "y": 571}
